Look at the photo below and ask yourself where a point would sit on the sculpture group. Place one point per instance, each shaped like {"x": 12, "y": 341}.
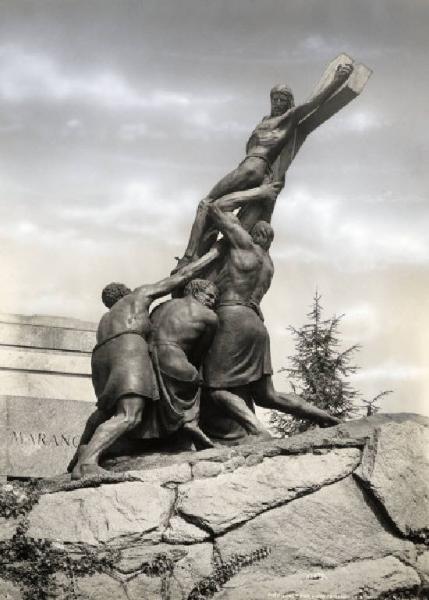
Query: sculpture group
{"x": 199, "y": 362}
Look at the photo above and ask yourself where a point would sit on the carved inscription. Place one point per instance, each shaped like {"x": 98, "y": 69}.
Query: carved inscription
{"x": 42, "y": 439}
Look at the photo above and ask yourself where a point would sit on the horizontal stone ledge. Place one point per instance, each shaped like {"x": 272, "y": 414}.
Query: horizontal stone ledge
{"x": 46, "y": 361}
{"x": 46, "y": 385}
{"x": 49, "y": 321}
{"x": 39, "y": 336}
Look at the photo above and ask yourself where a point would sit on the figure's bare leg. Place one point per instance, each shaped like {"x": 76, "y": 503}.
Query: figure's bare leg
{"x": 250, "y": 173}
{"x": 197, "y": 435}
{"x": 128, "y": 416}
{"x": 94, "y": 420}
{"x": 266, "y": 396}
{"x": 237, "y": 408}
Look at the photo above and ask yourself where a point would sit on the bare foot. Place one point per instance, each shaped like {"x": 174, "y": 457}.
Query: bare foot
{"x": 92, "y": 469}
{"x": 262, "y": 436}
{"x": 76, "y": 472}
{"x": 198, "y": 435}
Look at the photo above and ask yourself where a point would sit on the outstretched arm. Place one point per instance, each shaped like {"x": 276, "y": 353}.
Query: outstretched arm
{"x": 230, "y": 226}
{"x": 303, "y": 110}
{"x": 168, "y": 284}
{"x": 266, "y": 193}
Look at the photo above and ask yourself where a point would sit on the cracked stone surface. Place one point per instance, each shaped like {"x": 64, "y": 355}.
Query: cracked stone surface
{"x": 231, "y": 498}
{"x": 101, "y": 587}
{"x": 180, "y": 473}
{"x": 370, "y": 579}
{"x": 326, "y": 529}
{"x": 422, "y": 566}
{"x": 9, "y": 591}
{"x": 7, "y": 528}
{"x": 395, "y": 466}
{"x": 180, "y": 531}
{"x": 329, "y": 530}
{"x": 101, "y": 514}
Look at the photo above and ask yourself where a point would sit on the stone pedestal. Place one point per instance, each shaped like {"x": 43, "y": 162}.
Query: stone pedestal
{"x": 321, "y": 515}
{"x": 46, "y": 392}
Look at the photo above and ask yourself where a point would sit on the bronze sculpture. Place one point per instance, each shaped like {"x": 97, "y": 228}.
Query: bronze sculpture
{"x": 263, "y": 148}
{"x": 163, "y": 356}
{"x": 122, "y": 371}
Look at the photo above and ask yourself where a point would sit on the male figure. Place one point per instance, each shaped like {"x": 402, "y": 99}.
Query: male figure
{"x": 122, "y": 371}
{"x": 183, "y": 329}
{"x": 262, "y": 149}
{"x": 237, "y": 368}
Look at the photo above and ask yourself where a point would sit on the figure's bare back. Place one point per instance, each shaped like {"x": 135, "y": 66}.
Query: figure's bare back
{"x": 182, "y": 321}
{"x": 247, "y": 274}
{"x": 130, "y": 313}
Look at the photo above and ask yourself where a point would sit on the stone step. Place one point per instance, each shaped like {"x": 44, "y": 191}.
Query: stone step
{"x": 46, "y": 385}
{"x": 49, "y": 321}
{"x": 41, "y": 336}
{"x": 55, "y": 361}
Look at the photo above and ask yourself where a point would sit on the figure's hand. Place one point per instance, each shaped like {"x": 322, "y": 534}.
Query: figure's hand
{"x": 342, "y": 73}
{"x": 272, "y": 190}
{"x": 204, "y": 203}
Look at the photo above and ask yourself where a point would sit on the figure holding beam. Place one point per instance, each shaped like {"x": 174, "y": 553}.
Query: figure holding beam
{"x": 276, "y": 140}
{"x": 263, "y": 148}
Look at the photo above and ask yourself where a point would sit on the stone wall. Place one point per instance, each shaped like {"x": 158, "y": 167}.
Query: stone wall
{"x": 45, "y": 392}
{"x": 339, "y": 513}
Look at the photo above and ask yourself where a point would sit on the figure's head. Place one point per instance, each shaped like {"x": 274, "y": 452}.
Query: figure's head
{"x": 262, "y": 234}
{"x": 281, "y": 99}
{"x": 114, "y": 292}
{"x": 202, "y": 290}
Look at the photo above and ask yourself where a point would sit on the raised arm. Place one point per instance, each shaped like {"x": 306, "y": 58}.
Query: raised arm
{"x": 303, "y": 110}
{"x": 230, "y": 226}
{"x": 168, "y": 284}
{"x": 266, "y": 193}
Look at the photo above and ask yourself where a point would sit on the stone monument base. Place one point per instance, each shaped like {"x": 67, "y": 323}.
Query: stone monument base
{"x": 331, "y": 513}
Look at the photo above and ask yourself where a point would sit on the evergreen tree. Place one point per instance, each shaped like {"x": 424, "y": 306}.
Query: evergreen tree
{"x": 318, "y": 371}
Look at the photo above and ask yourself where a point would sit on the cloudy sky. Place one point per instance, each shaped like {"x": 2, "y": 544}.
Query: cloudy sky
{"x": 118, "y": 116}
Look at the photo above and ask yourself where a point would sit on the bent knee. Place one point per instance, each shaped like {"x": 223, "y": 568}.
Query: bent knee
{"x": 254, "y": 170}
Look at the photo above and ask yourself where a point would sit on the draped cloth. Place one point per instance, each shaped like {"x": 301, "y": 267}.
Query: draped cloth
{"x": 121, "y": 366}
{"x": 240, "y": 352}
{"x": 179, "y": 403}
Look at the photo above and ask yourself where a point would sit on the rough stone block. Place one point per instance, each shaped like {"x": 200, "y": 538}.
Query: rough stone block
{"x": 101, "y": 514}
{"x": 422, "y": 567}
{"x": 179, "y": 473}
{"x": 231, "y": 498}
{"x": 329, "y": 528}
{"x": 101, "y": 587}
{"x": 395, "y": 467}
{"x": 206, "y": 468}
{"x": 180, "y": 531}
{"x": 369, "y": 579}
{"x": 8, "y": 591}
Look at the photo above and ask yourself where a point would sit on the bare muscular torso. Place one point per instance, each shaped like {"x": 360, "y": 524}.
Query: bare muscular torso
{"x": 246, "y": 275}
{"x": 130, "y": 313}
{"x": 182, "y": 321}
{"x": 269, "y": 137}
